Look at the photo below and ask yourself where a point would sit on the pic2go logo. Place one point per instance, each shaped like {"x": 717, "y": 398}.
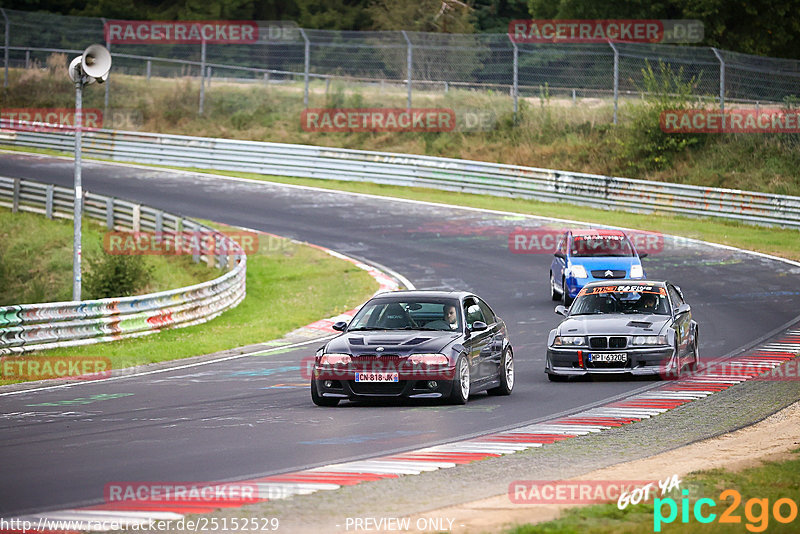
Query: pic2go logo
{"x": 756, "y": 511}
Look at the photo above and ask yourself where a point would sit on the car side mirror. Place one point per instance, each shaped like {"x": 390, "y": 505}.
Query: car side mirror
{"x": 560, "y": 255}
{"x": 683, "y": 308}
{"x": 339, "y": 326}
{"x": 644, "y": 255}
{"x": 562, "y": 310}
{"x": 478, "y": 326}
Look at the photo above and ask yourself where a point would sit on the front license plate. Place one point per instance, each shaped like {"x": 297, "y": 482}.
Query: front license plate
{"x": 377, "y": 377}
{"x": 609, "y": 357}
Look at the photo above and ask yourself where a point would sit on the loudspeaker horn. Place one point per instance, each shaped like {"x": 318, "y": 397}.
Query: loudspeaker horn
{"x": 96, "y": 61}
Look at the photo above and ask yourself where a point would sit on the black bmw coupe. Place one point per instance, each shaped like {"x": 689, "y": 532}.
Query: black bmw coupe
{"x": 416, "y": 344}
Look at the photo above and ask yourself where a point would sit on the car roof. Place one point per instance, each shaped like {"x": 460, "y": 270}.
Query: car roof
{"x": 627, "y": 282}
{"x": 597, "y": 231}
{"x": 418, "y": 293}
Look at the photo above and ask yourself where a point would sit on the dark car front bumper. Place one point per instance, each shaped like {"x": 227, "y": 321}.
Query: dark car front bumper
{"x": 640, "y": 361}
{"x": 341, "y": 384}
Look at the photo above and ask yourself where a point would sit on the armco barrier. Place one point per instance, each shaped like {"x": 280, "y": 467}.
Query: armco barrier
{"x": 30, "y": 327}
{"x": 423, "y": 171}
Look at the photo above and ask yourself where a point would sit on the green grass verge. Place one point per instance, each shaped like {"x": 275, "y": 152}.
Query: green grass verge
{"x": 288, "y": 285}
{"x": 36, "y": 260}
{"x": 771, "y": 481}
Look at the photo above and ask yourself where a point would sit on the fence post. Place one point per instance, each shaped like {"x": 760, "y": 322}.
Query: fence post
{"x": 306, "y": 67}
{"x": 27, "y": 59}
{"x": 409, "y": 64}
{"x": 721, "y": 79}
{"x": 515, "y": 89}
{"x": 149, "y": 64}
{"x": 616, "y": 79}
{"x": 5, "y": 57}
{"x": 202, "y": 74}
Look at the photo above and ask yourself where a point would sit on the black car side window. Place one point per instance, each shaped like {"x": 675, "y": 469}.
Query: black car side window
{"x": 488, "y": 315}
{"x": 472, "y": 311}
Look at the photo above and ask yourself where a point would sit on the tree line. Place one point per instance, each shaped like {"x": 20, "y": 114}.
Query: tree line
{"x": 762, "y": 27}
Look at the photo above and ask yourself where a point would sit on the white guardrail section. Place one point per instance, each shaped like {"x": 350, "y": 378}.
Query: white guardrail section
{"x": 423, "y": 171}
{"x": 30, "y": 327}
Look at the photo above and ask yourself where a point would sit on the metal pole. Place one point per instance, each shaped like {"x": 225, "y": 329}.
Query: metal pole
{"x": 616, "y": 79}
{"x": 78, "y": 201}
{"x": 148, "y": 69}
{"x": 306, "y": 67}
{"x": 202, "y": 75}
{"x": 5, "y": 57}
{"x": 721, "y": 79}
{"x": 409, "y": 64}
{"x": 516, "y": 77}
{"x": 107, "y": 82}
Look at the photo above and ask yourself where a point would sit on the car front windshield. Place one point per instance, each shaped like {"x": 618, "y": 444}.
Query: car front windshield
{"x": 412, "y": 314}
{"x": 620, "y": 299}
{"x": 584, "y": 246}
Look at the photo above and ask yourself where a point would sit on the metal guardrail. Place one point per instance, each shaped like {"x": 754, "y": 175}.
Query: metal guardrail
{"x": 423, "y": 171}
{"x": 30, "y": 327}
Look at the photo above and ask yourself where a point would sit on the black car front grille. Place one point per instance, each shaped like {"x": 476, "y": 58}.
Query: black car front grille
{"x": 617, "y": 342}
{"x": 598, "y": 342}
{"x": 615, "y": 273}
{"x": 604, "y": 342}
{"x": 606, "y": 365}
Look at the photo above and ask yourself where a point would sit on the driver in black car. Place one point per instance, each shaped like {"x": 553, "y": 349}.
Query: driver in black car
{"x": 449, "y": 320}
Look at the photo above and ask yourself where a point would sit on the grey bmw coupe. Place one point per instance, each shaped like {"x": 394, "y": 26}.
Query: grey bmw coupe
{"x": 637, "y": 327}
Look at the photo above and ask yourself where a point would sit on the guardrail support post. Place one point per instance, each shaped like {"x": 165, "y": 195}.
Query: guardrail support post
{"x": 721, "y": 79}
{"x": 147, "y": 69}
{"x": 616, "y": 79}
{"x": 27, "y": 59}
{"x": 159, "y": 221}
{"x": 110, "y": 214}
{"x": 15, "y": 198}
{"x": 136, "y": 218}
{"x": 48, "y": 201}
{"x": 306, "y": 67}
{"x": 409, "y": 65}
{"x": 5, "y": 57}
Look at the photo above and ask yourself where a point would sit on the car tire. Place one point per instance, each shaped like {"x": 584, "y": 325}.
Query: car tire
{"x": 461, "y": 378}
{"x": 320, "y": 400}
{"x": 557, "y": 378}
{"x": 565, "y": 299}
{"x": 695, "y": 365}
{"x": 553, "y": 293}
{"x": 506, "y": 375}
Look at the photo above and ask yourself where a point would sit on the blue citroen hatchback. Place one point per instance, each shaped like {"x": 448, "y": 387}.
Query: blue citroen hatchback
{"x": 584, "y": 256}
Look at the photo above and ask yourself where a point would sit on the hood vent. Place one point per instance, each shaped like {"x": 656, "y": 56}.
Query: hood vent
{"x": 640, "y": 324}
